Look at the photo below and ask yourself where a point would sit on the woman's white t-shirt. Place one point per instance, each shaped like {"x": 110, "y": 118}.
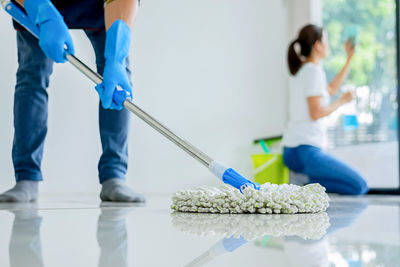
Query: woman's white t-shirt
{"x": 301, "y": 129}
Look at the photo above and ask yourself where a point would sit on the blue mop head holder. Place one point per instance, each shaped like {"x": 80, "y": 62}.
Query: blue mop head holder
{"x": 231, "y": 177}
{"x": 236, "y": 180}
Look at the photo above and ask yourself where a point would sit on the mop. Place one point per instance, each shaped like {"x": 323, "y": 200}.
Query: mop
{"x": 220, "y": 170}
{"x": 270, "y": 198}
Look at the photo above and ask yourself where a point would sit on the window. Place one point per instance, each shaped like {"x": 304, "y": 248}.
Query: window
{"x": 372, "y": 116}
{"x": 364, "y": 133}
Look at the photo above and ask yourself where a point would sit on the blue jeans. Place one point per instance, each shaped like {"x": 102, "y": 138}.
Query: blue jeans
{"x": 30, "y": 113}
{"x": 322, "y": 168}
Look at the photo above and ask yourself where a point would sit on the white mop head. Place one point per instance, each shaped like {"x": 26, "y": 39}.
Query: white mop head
{"x": 252, "y": 226}
{"x": 271, "y": 198}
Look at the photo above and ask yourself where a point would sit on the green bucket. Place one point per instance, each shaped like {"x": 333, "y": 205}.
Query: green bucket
{"x": 270, "y": 168}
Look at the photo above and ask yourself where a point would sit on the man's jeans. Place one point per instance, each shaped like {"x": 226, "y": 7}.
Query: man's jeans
{"x": 30, "y": 113}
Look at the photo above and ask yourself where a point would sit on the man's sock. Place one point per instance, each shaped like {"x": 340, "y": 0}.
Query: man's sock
{"x": 116, "y": 190}
{"x": 23, "y": 191}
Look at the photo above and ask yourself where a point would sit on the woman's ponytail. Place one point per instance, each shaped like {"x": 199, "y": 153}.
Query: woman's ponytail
{"x": 308, "y": 35}
{"x": 294, "y": 61}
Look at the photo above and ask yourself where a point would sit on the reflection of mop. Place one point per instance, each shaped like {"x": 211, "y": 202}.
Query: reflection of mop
{"x": 271, "y": 198}
{"x": 238, "y": 229}
{"x": 252, "y": 226}
{"x": 223, "y": 246}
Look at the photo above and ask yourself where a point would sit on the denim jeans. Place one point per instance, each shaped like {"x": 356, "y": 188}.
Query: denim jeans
{"x": 30, "y": 113}
{"x": 322, "y": 168}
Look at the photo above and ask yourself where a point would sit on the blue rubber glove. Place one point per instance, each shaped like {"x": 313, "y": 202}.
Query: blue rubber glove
{"x": 54, "y": 33}
{"x": 118, "y": 39}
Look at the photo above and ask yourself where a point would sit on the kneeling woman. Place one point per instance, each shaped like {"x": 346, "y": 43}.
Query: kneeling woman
{"x": 305, "y": 135}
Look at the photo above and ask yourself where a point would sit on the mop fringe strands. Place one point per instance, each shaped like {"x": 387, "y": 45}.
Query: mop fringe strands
{"x": 252, "y": 226}
{"x": 270, "y": 198}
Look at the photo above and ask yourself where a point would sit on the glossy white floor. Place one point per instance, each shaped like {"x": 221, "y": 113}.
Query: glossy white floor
{"x": 61, "y": 231}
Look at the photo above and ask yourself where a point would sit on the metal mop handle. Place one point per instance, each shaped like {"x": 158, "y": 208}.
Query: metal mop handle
{"x": 129, "y": 105}
{"x": 23, "y": 19}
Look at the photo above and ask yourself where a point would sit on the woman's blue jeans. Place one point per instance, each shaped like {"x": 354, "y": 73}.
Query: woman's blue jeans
{"x": 30, "y": 113}
{"x": 322, "y": 168}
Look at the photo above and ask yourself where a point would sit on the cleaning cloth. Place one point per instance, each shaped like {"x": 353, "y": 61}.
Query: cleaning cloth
{"x": 271, "y": 198}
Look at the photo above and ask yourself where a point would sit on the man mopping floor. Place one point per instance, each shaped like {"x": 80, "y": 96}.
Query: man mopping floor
{"x": 108, "y": 27}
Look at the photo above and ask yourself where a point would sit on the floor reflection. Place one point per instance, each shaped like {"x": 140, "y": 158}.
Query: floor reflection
{"x": 373, "y": 241}
{"x": 25, "y": 243}
{"x": 352, "y": 232}
{"x": 112, "y": 237}
{"x": 252, "y": 226}
{"x": 301, "y": 237}
{"x": 239, "y": 229}
{"x": 310, "y": 253}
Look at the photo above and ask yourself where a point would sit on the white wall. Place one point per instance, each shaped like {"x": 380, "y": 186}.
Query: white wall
{"x": 304, "y": 12}
{"x": 213, "y": 71}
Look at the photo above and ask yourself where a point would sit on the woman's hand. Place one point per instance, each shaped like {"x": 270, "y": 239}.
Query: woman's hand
{"x": 335, "y": 84}
{"x": 318, "y": 111}
{"x": 350, "y": 49}
{"x": 347, "y": 97}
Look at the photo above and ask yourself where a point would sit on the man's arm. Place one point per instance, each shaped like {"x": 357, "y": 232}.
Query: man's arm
{"x": 125, "y": 10}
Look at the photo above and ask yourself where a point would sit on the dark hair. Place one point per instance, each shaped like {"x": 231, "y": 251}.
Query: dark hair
{"x": 308, "y": 35}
